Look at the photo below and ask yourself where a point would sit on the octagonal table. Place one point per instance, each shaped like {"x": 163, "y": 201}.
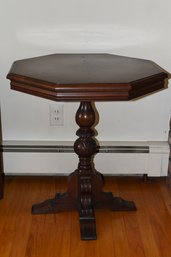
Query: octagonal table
{"x": 86, "y": 78}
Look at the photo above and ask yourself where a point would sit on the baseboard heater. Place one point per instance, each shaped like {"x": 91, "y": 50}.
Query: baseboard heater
{"x": 47, "y": 157}
{"x": 61, "y": 147}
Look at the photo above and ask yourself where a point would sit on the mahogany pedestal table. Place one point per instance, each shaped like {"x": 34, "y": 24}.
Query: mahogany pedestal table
{"x": 86, "y": 78}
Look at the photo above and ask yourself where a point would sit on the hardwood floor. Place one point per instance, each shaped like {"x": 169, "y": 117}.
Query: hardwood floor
{"x": 144, "y": 233}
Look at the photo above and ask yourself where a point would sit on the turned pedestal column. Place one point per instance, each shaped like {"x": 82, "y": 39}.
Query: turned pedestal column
{"x": 85, "y": 184}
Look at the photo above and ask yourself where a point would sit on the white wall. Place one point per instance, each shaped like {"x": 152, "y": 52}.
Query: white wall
{"x": 38, "y": 27}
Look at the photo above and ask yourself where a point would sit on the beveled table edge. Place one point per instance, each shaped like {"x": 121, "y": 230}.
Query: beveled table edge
{"x": 90, "y": 91}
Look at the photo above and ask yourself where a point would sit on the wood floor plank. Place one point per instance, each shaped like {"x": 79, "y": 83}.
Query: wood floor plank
{"x": 166, "y": 193}
{"x": 12, "y": 220}
{"x": 120, "y": 240}
{"x": 104, "y": 232}
{"x": 148, "y": 240}
{"x": 49, "y": 235}
{"x": 47, "y": 238}
{"x": 134, "y": 191}
{"x": 143, "y": 233}
{"x": 6, "y": 242}
{"x": 159, "y": 217}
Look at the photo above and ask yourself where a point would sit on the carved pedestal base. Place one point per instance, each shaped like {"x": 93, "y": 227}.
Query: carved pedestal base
{"x": 84, "y": 192}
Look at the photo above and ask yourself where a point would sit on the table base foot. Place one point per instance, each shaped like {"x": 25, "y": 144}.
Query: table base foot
{"x": 106, "y": 200}
{"x": 71, "y": 200}
{"x": 60, "y": 202}
{"x": 114, "y": 203}
{"x": 120, "y": 204}
{"x": 88, "y": 228}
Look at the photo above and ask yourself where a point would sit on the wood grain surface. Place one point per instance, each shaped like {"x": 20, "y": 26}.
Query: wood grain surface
{"x": 145, "y": 232}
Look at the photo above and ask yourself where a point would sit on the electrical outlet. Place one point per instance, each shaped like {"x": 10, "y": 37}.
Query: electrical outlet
{"x": 56, "y": 115}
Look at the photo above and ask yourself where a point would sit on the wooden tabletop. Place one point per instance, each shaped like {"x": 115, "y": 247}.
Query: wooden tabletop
{"x": 87, "y": 77}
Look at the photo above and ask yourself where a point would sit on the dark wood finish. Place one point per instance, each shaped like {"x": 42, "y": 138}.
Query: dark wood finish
{"x": 86, "y": 78}
{"x": 85, "y": 184}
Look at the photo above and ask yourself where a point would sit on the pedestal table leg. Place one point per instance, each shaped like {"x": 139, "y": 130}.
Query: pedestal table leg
{"x": 85, "y": 184}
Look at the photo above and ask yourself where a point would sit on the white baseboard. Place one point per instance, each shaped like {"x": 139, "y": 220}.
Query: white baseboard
{"x": 50, "y": 158}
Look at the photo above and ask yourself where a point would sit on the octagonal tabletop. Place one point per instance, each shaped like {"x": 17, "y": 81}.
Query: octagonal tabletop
{"x": 87, "y": 77}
